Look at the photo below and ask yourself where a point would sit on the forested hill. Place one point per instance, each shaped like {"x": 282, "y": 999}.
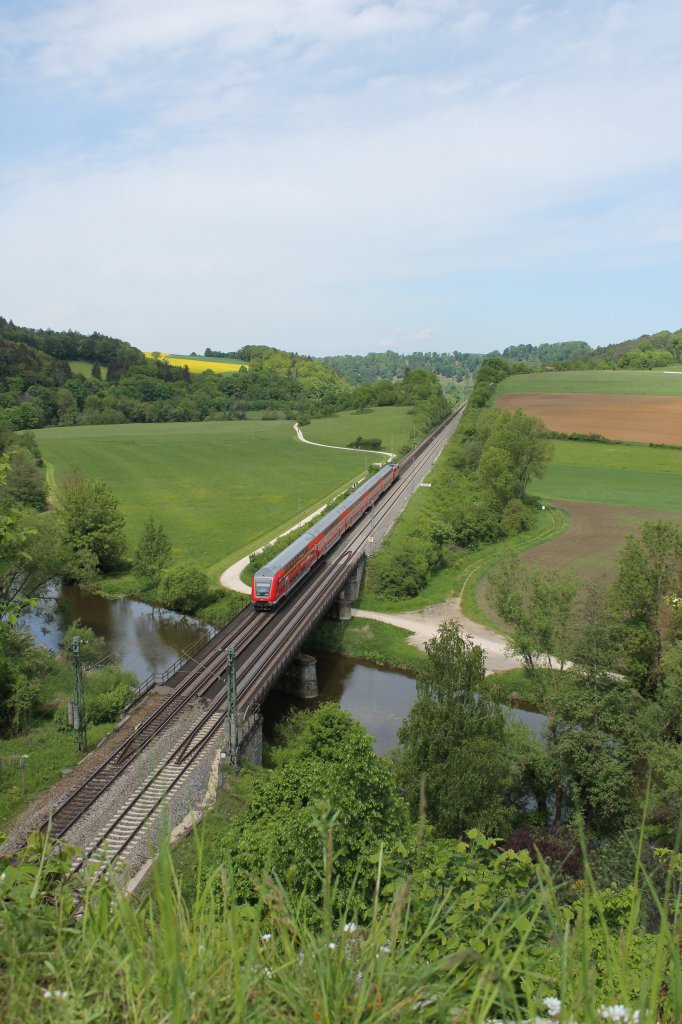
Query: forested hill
{"x": 65, "y": 345}
{"x": 457, "y": 366}
{"x": 643, "y": 353}
{"x": 112, "y": 382}
{"x": 388, "y": 365}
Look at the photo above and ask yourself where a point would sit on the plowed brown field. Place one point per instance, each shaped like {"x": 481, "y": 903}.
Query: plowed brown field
{"x": 656, "y": 419}
{"x": 589, "y": 548}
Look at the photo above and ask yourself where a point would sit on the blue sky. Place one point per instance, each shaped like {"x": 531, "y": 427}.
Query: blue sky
{"x": 341, "y": 176}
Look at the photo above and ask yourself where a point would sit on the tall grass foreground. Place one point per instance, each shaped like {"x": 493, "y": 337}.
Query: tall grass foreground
{"x": 85, "y": 951}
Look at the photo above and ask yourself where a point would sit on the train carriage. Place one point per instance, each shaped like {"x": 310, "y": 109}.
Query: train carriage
{"x": 274, "y": 581}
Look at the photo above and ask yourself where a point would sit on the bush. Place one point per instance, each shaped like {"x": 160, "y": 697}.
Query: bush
{"x": 373, "y": 443}
{"x": 92, "y": 646}
{"x": 224, "y": 606}
{"x": 107, "y": 691}
{"x": 516, "y": 517}
{"x": 183, "y": 588}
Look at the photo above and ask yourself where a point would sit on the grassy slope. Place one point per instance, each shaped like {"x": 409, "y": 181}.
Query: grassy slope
{"x": 628, "y": 474}
{"x": 393, "y": 424}
{"x": 48, "y": 752}
{"x": 80, "y": 366}
{"x": 595, "y": 382}
{"x": 219, "y": 488}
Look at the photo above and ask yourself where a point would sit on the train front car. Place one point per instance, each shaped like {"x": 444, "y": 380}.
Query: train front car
{"x": 274, "y": 581}
{"x": 261, "y": 590}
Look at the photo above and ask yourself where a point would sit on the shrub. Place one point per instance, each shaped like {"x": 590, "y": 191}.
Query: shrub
{"x": 107, "y": 691}
{"x": 183, "y": 587}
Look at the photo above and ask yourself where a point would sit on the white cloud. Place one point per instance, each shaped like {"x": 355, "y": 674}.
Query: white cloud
{"x": 276, "y": 161}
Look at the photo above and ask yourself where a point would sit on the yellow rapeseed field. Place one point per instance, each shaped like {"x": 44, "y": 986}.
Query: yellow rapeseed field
{"x": 196, "y": 365}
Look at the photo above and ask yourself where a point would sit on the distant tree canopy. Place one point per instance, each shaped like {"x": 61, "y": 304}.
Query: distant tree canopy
{"x": 38, "y": 388}
{"x": 389, "y": 365}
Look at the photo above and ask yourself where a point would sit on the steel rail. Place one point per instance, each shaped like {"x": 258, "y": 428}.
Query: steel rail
{"x": 197, "y": 682}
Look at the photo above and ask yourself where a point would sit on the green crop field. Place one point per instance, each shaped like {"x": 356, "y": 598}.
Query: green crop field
{"x": 394, "y": 425}
{"x": 220, "y": 488}
{"x": 595, "y": 382}
{"x": 627, "y": 474}
{"x": 80, "y": 366}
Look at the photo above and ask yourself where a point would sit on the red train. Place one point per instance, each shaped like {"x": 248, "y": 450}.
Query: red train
{"x": 275, "y": 580}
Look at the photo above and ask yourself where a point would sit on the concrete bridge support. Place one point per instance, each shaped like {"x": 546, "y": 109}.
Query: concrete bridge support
{"x": 341, "y": 609}
{"x": 300, "y": 679}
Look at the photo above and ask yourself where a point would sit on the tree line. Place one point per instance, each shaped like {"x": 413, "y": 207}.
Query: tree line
{"x": 38, "y": 387}
{"x": 478, "y": 492}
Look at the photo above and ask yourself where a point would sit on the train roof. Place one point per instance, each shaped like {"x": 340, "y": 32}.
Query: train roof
{"x": 302, "y": 542}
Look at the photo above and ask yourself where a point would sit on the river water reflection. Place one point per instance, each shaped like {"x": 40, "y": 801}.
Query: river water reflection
{"x": 378, "y": 698}
{"x": 144, "y": 639}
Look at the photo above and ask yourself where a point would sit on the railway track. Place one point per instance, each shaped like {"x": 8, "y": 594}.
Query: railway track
{"x": 251, "y": 634}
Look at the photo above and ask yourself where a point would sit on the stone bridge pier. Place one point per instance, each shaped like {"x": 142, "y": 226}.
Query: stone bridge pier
{"x": 341, "y": 609}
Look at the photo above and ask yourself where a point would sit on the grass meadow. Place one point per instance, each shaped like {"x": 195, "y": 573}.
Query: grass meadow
{"x": 626, "y": 474}
{"x": 394, "y": 425}
{"x": 220, "y": 488}
{"x": 595, "y": 382}
{"x": 84, "y": 368}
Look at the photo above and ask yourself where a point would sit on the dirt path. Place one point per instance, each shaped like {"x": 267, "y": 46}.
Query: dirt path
{"x": 424, "y": 625}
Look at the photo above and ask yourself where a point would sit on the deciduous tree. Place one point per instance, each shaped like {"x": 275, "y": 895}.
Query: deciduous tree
{"x": 153, "y": 552}
{"x": 650, "y": 576}
{"x": 456, "y": 739}
{"x": 92, "y": 520}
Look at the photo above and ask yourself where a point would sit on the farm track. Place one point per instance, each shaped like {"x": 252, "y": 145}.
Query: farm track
{"x": 252, "y": 634}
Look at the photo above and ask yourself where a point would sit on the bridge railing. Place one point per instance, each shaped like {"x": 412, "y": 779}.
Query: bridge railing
{"x": 160, "y": 678}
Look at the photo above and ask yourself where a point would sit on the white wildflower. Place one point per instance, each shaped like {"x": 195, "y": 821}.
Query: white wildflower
{"x": 552, "y": 1005}
{"x": 267, "y": 972}
{"x": 331, "y": 945}
{"x": 56, "y": 994}
{"x": 619, "y": 1014}
{"x": 350, "y": 927}
{"x": 385, "y": 949}
{"x": 266, "y": 937}
{"x": 47, "y": 994}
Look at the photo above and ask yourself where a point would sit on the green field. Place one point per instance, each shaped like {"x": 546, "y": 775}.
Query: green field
{"x": 220, "y": 488}
{"x": 394, "y": 425}
{"x": 624, "y": 474}
{"x": 80, "y": 366}
{"x": 595, "y": 382}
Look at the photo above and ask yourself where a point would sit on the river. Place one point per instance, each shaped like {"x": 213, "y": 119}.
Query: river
{"x": 146, "y": 640}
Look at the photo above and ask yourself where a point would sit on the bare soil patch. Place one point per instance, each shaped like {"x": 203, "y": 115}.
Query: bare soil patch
{"x": 656, "y": 418}
{"x": 590, "y": 547}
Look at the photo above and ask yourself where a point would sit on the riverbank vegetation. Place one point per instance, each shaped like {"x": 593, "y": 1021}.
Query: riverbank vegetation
{"x": 377, "y": 642}
{"x": 36, "y": 740}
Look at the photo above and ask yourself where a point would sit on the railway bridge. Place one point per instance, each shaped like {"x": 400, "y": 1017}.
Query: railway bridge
{"x": 213, "y": 707}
